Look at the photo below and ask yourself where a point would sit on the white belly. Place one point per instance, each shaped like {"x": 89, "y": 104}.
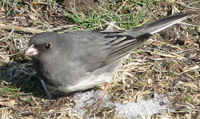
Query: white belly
{"x": 88, "y": 82}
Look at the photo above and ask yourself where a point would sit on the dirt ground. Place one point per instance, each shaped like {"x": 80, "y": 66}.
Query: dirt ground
{"x": 166, "y": 69}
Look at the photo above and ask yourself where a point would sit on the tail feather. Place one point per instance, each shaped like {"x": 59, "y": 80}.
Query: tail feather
{"x": 162, "y": 24}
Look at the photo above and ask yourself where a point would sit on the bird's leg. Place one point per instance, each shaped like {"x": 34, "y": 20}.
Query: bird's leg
{"x": 103, "y": 94}
{"x": 45, "y": 88}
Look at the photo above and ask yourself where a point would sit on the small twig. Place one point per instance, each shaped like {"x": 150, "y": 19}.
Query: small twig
{"x": 62, "y": 27}
{"x": 184, "y": 23}
{"x": 31, "y": 7}
{"x": 31, "y": 30}
{"x": 20, "y": 29}
{"x": 124, "y": 3}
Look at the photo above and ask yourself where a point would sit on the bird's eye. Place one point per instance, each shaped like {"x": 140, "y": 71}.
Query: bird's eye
{"x": 47, "y": 46}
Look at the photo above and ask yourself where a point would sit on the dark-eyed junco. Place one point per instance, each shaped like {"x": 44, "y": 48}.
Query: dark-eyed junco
{"x": 81, "y": 60}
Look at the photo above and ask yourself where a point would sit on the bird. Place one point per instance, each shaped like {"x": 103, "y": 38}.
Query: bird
{"x": 81, "y": 60}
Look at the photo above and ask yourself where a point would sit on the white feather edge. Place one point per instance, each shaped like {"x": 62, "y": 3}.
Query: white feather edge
{"x": 170, "y": 24}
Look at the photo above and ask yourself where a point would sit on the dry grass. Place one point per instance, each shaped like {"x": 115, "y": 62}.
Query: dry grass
{"x": 167, "y": 64}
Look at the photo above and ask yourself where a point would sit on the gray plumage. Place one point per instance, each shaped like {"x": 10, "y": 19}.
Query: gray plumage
{"x": 81, "y": 60}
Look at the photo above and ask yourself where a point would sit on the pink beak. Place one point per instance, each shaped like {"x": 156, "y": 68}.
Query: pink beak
{"x": 32, "y": 51}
